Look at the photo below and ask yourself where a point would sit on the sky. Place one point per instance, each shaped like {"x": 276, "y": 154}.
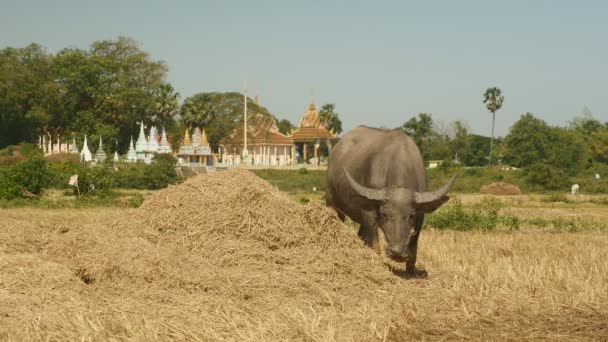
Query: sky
{"x": 379, "y": 62}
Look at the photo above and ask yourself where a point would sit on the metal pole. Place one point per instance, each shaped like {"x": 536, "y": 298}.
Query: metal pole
{"x": 245, "y": 152}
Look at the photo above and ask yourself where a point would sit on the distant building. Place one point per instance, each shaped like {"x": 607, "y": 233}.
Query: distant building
{"x": 196, "y": 152}
{"x": 267, "y": 146}
{"x": 434, "y": 163}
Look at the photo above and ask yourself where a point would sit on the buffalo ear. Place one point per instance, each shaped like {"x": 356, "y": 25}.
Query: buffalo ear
{"x": 429, "y": 207}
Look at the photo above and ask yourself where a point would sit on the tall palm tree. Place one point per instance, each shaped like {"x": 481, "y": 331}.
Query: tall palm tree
{"x": 493, "y": 100}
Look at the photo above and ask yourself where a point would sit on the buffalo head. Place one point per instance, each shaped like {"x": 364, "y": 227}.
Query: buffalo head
{"x": 399, "y": 208}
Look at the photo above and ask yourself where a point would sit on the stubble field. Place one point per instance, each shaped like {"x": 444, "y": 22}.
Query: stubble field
{"x": 226, "y": 257}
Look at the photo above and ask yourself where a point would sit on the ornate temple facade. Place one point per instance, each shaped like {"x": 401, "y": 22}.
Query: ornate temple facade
{"x": 311, "y": 130}
{"x": 196, "y": 151}
{"x": 266, "y": 146}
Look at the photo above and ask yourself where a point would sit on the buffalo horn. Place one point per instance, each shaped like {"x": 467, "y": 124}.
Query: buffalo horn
{"x": 430, "y": 197}
{"x": 372, "y": 194}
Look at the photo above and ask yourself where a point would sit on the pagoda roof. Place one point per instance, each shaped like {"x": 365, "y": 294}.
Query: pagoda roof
{"x": 311, "y": 127}
{"x": 262, "y": 130}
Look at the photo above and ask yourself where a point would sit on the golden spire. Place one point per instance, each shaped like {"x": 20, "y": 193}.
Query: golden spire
{"x": 186, "y": 138}
{"x": 204, "y": 138}
{"x": 312, "y": 98}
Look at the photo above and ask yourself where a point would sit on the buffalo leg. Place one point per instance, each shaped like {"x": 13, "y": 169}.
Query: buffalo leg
{"x": 412, "y": 245}
{"x": 368, "y": 232}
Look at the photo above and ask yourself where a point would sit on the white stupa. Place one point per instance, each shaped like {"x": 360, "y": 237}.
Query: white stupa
{"x": 141, "y": 144}
{"x": 153, "y": 141}
{"x": 116, "y": 158}
{"x": 73, "y": 147}
{"x": 153, "y": 146}
{"x": 85, "y": 154}
{"x": 100, "y": 155}
{"x": 131, "y": 155}
{"x": 164, "y": 143}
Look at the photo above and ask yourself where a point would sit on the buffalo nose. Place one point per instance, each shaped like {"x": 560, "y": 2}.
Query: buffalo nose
{"x": 396, "y": 252}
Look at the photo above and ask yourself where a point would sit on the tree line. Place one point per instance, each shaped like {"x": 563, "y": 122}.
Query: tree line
{"x": 105, "y": 91}
{"x": 548, "y": 154}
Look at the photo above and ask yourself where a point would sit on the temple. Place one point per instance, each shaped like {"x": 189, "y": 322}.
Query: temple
{"x": 265, "y": 144}
{"x": 196, "y": 152}
{"x": 311, "y": 130}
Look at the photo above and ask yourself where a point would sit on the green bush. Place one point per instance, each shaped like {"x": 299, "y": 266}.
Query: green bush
{"x": 161, "y": 172}
{"x": 95, "y": 181}
{"x": 471, "y": 179}
{"x": 8, "y": 189}
{"x": 485, "y": 216}
{"x": 30, "y": 174}
{"x": 546, "y": 177}
{"x": 62, "y": 170}
{"x": 157, "y": 175}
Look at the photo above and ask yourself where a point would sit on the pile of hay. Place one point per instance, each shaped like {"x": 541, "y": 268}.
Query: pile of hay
{"x": 221, "y": 256}
{"x": 500, "y": 188}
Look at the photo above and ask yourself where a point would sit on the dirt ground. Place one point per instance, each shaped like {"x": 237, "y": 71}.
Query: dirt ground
{"x": 230, "y": 259}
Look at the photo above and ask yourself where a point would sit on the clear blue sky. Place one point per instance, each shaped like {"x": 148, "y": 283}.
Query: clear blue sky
{"x": 380, "y": 62}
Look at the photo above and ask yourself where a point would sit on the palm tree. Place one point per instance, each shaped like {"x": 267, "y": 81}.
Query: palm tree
{"x": 166, "y": 105}
{"x": 493, "y": 100}
{"x": 329, "y": 118}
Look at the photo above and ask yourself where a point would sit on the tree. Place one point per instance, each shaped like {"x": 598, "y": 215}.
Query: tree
{"x": 284, "y": 126}
{"x": 527, "y": 141}
{"x": 493, "y": 100}
{"x": 104, "y": 90}
{"x": 330, "y": 119}
{"x": 599, "y": 146}
{"x": 420, "y": 129}
{"x": 27, "y": 93}
{"x": 166, "y": 105}
{"x": 476, "y": 153}
{"x": 532, "y": 141}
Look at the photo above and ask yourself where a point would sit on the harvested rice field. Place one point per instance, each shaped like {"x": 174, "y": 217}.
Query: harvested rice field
{"x": 227, "y": 257}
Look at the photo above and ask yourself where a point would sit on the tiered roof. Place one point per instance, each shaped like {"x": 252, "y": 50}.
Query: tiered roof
{"x": 199, "y": 145}
{"x": 311, "y": 128}
{"x": 261, "y": 130}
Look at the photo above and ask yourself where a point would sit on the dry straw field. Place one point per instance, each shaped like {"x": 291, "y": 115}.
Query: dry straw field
{"x": 226, "y": 257}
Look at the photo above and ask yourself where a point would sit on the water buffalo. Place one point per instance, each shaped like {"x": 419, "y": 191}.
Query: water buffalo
{"x": 377, "y": 178}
